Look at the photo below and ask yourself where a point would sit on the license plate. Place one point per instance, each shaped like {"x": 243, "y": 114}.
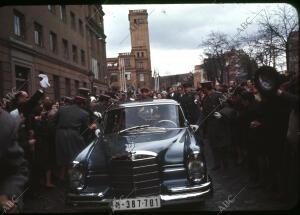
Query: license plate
{"x": 136, "y": 203}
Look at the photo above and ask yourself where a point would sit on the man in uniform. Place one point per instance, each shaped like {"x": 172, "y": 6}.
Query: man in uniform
{"x": 217, "y": 129}
{"x": 70, "y": 122}
{"x": 189, "y": 104}
{"x": 102, "y": 104}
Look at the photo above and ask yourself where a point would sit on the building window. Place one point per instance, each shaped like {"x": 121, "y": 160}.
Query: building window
{"x": 56, "y": 87}
{"x": 63, "y": 13}
{"x": 142, "y": 77}
{"x": 95, "y": 67}
{"x": 53, "y": 42}
{"x": 82, "y": 53}
{"x": 80, "y": 27}
{"x": 74, "y": 53}
{"x": 138, "y": 54}
{"x": 134, "y": 21}
{"x": 65, "y": 48}
{"x": 128, "y": 75}
{"x": 38, "y": 34}
{"x": 68, "y": 87}
{"x": 73, "y": 24}
{"x": 51, "y": 8}
{"x": 19, "y": 24}
{"x": 140, "y": 21}
{"x": 22, "y": 77}
{"x": 76, "y": 86}
{"x": 140, "y": 65}
{"x": 84, "y": 84}
{"x": 127, "y": 62}
{"x": 113, "y": 78}
{"x": 142, "y": 54}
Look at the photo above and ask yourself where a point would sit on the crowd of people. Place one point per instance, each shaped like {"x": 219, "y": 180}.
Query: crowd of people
{"x": 239, "y": 121}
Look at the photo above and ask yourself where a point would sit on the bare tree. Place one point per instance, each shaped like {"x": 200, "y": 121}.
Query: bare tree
{"x": 215, "y": 46}
{"x": 270, "y": 43}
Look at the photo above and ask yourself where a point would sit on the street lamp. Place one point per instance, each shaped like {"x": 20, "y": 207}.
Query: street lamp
{"x": 91, "y": 76}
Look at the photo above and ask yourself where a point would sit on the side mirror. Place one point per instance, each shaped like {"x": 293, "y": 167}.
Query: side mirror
{"x": 194, "y": 127}
{"x": 98, "y": 114}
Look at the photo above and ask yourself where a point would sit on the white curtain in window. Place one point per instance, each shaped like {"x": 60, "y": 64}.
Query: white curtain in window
{"x": 142, "y": 78}
{"x": 17, "y": 25}
{"x": 95, "y": 67}
{"x": 51, "y": 43}
{"x": 61, "y": 13}
{"x": 36, "y": 37}
{"x": 128, "y": 74}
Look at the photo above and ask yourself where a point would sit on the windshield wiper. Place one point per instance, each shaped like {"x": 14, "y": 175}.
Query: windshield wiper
{"x": 135, "y": 127}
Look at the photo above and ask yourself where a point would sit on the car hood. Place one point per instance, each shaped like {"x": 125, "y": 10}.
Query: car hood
{"x": 168, "y": 145}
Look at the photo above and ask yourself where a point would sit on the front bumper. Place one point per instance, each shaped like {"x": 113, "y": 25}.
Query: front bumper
{"x": 174, "y": 195}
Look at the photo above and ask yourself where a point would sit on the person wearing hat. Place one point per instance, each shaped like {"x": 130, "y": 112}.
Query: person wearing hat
{"x": 217, "y": 129}
{"x": 70, "y": 122}
{"x": 83, "y": 92}
{"x": 102, "y": 104}
{"x": 189, "y": 105}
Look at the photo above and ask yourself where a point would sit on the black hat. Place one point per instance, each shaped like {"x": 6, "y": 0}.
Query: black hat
{"x": 84, "y": 92}
{"x": 206, "y": 84}
{"x": 103, "y": 97}
{"x": 186, "y": 85}
{"x": 267, "y": 80}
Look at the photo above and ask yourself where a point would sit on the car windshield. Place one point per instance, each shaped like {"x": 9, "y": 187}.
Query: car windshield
{"x": 143, "y": 117}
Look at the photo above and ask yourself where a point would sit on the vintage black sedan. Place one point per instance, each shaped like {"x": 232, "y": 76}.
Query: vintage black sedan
{"x": 146, "y": 156}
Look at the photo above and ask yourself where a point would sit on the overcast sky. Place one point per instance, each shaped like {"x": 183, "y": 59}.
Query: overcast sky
{"x": 177, "y": 30}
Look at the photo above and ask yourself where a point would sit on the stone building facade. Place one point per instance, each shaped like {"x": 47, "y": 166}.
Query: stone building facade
{"x": 137, "y": 62}
{"x": 63, "y": 42}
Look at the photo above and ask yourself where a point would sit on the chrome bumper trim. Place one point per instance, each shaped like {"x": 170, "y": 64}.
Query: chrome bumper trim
{"x": 193, "y": 188}
{"x": 183, "y": 196}
{"x": 100, "y": 195}
{"x": 174, "y": 169}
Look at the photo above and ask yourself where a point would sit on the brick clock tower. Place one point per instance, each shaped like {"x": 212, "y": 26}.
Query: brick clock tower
{"x": 140, "y": 47}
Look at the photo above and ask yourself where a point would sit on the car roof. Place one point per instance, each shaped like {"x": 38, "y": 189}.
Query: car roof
{"x": 145, "y": 102}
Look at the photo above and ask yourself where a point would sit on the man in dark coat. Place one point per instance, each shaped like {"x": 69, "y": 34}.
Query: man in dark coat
{"x": 102, "y": 104}
{"x": 217, "y": 127}
{"x": 179, "y": 94}
{"x": 71, "y": 121}
{"x": 189, "y": 105}
{"x": 14, "y": 171}
{"x": 144, "y": 94}
{"x": 171, "y": 93}
{"x": 24, "y": 104}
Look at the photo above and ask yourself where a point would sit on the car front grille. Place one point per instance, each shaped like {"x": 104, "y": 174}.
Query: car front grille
{"x": 133, "y": 176}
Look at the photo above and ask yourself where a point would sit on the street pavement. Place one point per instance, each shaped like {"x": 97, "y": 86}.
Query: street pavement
{"x": 232, "y": 192}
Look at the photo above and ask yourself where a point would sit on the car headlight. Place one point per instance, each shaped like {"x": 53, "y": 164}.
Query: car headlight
{"x": 76, "y": 176}
{"x": 196, "y": 171}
